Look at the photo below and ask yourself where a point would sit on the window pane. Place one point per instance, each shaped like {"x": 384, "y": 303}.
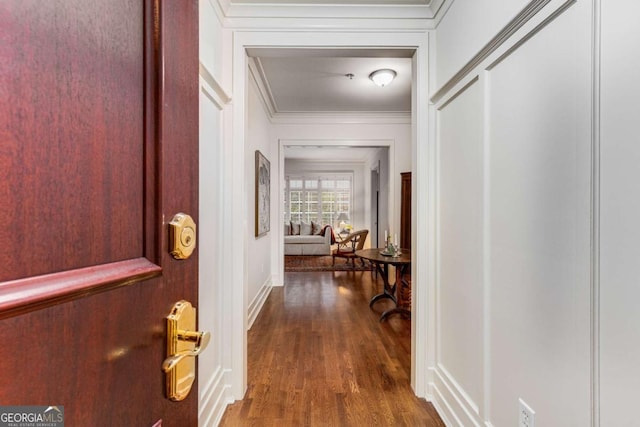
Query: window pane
{"x": 318, "y": 198}
{"x": 343, "y": 184}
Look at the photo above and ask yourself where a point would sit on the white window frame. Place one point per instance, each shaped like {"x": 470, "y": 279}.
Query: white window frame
{"x": 323, "y": 215}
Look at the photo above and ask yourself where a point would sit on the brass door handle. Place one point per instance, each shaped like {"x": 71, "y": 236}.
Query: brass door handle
{"x": 200, "y": 338}
{"x": 184, "y": 343}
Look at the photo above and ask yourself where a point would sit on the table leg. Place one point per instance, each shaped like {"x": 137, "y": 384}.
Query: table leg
{"x": 388, "y": 290}
{"x": 403, "y": 296}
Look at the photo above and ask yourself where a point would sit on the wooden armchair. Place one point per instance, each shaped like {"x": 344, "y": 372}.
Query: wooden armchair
{"x": 349, "y": 245}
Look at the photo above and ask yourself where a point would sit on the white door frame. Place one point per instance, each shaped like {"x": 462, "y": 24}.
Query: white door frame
{"x": 422, "y": 341}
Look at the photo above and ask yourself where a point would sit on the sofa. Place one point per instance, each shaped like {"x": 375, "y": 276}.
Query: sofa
{"x": 307, "y": 239}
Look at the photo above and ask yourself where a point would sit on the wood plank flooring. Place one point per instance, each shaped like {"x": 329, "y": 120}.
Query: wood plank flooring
{"x": 318, "y": 356}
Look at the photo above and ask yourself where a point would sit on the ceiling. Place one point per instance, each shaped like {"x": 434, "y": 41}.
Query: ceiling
{"x": 315, "y": 80}
{"x": 308, "y": 81}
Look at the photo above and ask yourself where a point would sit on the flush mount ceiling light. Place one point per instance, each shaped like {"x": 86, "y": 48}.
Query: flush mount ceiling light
{"x": 383, "y": 77}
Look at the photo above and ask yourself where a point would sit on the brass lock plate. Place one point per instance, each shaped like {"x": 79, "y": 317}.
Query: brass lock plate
{"x": 181, "y": 377}
{"x": 182, "y": 236}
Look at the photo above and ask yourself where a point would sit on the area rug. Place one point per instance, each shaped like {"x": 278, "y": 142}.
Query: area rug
{"x": 321, "y": 263}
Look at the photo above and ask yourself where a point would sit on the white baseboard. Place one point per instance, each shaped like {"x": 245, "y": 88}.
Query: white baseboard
{"x": 452, "y": 402}
{"x": 257, "y": 303}
{"x": 214, "y": 400}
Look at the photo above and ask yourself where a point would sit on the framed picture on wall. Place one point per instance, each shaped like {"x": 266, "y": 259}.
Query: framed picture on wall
{"x": 263, "y": 194}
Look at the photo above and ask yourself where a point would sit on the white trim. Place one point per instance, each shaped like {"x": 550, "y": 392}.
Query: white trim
{"x": 531, "y": 20}
{"x": 256, "y": 72}
{"x": 506, "y": 34}
{"x": 444, "y": 410}
{"x": 424, "y": 238}
{"x": 213, "y": 400}
{"x": 258, "y": 302}
{"x": 220, "y": 6}
{"x": 346, "y": 117}
{"x": 595, "y": 216}
{"x": 236, "y": 257}
{"x": 284, "y": 24}
{"x": 217, "y": 93}
{"x": 329, "y": 11}
{"x": 485, "y": 87}
{"x": 456, "y": 399}
{"x": 236, "y": 275}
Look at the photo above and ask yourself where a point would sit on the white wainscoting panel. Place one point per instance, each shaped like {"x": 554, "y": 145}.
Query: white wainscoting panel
{"x": 459, "y": 271}
{"x": 620, "y": 214}
{"x": 514, "y": 224}
{"x": 540, "y": 143}
{"x": 212, "y": 391}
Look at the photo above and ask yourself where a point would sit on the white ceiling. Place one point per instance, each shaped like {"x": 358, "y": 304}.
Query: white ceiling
{"x": 314, "y": 80}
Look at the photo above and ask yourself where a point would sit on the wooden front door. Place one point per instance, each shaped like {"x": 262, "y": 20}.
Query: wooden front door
{"x": 98, "y": 151}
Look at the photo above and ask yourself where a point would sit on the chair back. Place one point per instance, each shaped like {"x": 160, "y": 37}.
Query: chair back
{"x": 360, "y": 237}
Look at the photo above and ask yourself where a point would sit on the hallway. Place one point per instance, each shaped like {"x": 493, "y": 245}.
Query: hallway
{"x": 318, "y": 356}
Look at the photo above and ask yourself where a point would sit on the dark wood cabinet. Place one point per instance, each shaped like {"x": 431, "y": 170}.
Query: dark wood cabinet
{"x": 405, "y": 211}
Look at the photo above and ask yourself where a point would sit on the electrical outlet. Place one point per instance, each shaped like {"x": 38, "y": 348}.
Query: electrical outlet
{"x": 526, "y": 415}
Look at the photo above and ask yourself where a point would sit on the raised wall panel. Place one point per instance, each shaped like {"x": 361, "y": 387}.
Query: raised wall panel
{"x": 619, "y": 214}
{"x": 461, "y": 35}
{"x": 460, "y": 291}
{"x": 539, "y": 227}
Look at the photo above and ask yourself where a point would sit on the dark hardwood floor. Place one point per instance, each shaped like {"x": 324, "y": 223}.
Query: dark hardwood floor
{"x": 318, "y": 356}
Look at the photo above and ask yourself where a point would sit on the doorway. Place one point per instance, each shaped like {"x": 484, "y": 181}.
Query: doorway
{"x": 238, "y": 175}
{"x": 375, "y": 205}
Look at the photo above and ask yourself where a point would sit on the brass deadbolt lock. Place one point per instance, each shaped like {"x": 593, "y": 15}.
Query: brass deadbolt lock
{"x": 182, "y": 236}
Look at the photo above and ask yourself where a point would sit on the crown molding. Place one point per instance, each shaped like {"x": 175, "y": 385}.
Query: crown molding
{"x": 526, "y": 14}
{"x": 337, "y": 16}
{"x": 279, "y": 10}
{"x": 256, "y": 74}
{"x": 347, "y": 117}
{"x": 329, "y": 24}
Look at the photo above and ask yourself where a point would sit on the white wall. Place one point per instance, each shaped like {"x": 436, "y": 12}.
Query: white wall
{"x": 320, "y": 132}
{"x": 466, "y": 28}
{"x": 258, "y": 249}
{"x": 381, "y": 161}
{"x": 513, "y": 216}
{"x": 619, "y": 215}
{"x": 213, "y": 314}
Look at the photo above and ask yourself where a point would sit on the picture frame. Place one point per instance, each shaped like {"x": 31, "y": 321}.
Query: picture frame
{"x": 263, "y": 194}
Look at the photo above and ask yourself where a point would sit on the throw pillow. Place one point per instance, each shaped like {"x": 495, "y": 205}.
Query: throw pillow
{"x": 287, "y": 229}
{"x": 305, "y": 229}
{"x": 316, "y": 228}
{"x": 295, "y": 228}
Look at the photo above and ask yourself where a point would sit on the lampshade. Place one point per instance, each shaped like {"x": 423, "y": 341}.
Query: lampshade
{"x": 343, "y": 216}
{"x": 382, "y": 77}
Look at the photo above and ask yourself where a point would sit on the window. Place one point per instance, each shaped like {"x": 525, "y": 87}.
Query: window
{"x": 319, "y": 198}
